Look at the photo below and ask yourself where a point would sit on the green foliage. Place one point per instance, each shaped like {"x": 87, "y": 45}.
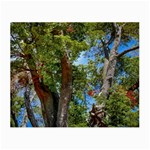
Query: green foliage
{"x": 12, "y": 122}
{"x": 131, "y": 30}
{"x": 17, "y": 104}
{"x": 79, "y": 78}
{"x": 128, "y": 71}
{"x": 118, "y": 109}
{"x": 77, "y": 115}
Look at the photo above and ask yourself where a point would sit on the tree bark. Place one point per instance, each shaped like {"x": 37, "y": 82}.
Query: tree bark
{"x": 107, "y": 83}
{"x": 106, "y": 62}
{"x": 66, "y": 92}
{"x": 56, "y": 102}
{"x": 46, "y": 99}
{"x": 29, "y": 108}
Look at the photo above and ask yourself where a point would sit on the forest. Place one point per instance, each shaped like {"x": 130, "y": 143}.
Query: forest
{"x": 74, "y": 74}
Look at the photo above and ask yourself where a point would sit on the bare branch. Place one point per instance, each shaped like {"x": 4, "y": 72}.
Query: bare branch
{"x": 128, "y": 50}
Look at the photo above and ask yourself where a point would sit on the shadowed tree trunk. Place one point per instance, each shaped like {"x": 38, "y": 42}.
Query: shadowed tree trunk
{"x": 25, "y": 116}
{"x": 29, "y": 109}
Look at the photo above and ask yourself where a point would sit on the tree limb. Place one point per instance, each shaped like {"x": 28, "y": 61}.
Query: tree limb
{"x": 29, "y": 109}
{"x": 126, "y": 51}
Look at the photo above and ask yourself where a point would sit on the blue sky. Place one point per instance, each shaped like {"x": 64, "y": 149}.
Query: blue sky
{"x": 84, "y": 60}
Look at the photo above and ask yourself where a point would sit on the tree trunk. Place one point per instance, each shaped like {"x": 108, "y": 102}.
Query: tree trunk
{"x": 66, "y": 92}
{"x": 56, "y": 102}
{"x": 29, "y": 108}
{"x": 44, "y": 94}
{"x": 111, "y": 65}
{"x": 46, "y": 99}
{"x": 106, "y": 62}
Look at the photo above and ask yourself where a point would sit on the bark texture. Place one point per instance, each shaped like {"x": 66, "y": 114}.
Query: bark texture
{"x": 110, "y": 66}
{"x": 96, "y": 116}
{"x": 66, "y": 92}
{"x": 29, "y": 108}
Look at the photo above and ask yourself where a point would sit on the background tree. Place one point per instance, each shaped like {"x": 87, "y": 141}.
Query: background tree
{"x": 110, "y": 76}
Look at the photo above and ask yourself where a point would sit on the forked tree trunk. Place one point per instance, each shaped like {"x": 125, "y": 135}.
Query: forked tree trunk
{"x": 54, "y": 109}
{"x": 45, "y": 95}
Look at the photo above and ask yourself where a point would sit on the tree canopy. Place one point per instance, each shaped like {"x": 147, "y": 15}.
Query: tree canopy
{"x": 71, "y": 74}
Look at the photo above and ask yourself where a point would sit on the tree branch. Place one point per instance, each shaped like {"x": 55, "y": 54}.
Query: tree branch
{"x": 128, "y": 50}
{"x": 29, "y": 109}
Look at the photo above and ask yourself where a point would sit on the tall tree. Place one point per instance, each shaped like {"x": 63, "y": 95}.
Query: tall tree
{"x": 29, "y": 44}
{"x": 117, "y": 34}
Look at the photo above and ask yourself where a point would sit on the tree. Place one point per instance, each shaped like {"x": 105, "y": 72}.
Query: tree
{"x": 29, "y": 44}
{"x": 118, "y": 33}
{"x": 46, "y": 53}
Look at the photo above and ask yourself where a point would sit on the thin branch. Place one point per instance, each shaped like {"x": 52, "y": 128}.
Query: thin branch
{"x": 128, "y": 50}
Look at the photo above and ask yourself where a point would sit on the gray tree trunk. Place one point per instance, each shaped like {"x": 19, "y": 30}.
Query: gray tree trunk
{"x": 109, "y": 66}
{"x": 25, "y": 116}
{"x": 29, "y": 109}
